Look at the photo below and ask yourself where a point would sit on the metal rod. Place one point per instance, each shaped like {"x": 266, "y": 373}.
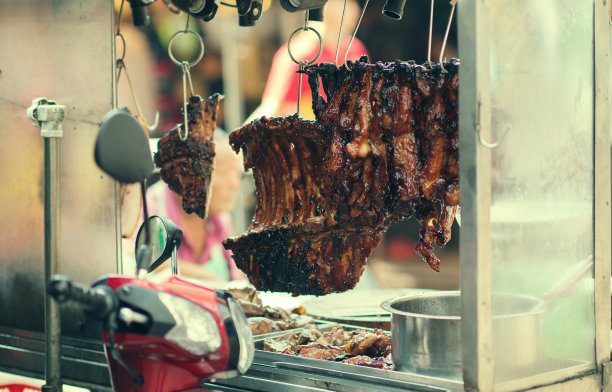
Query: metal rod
{"x": 602, "y": 224}
{"x": 348, "y": 48}
{"x": 174, "y": 261}
{"x": 340, "y": 33}
{"x": 53, "y": 373}
{"x": 475, "y": 164}
{"x": 431, "y": 14}
{"x": 450, "y": 21}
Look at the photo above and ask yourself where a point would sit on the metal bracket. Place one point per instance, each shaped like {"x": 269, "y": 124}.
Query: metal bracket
{"x": 606, "y": 377}
{"x": 48, "y": 116}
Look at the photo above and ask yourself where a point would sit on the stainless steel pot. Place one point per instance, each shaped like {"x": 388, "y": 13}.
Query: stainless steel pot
{"x": 426, "y": 333}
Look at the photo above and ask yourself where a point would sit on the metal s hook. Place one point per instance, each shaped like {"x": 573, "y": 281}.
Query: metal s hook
{"x": 185, "y": 66}
{"x": 354, "y": 33}
{"x": 303, "y": 63}
{"x": 122, "y": 66}
{"x": 490, "y": 145}
{"x": 481, "y": 140}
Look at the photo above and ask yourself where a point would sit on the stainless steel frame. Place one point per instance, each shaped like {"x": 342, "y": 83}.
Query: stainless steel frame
{"x": 53, "y": 328}
{"x": 475, "y": 189}
{"x": 602, "y": 210}
{"x": 475, "y": 117}
{"x": 79, "y": 73}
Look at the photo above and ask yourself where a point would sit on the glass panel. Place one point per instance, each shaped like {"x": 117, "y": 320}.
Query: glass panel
{"x": 541, "y": 55}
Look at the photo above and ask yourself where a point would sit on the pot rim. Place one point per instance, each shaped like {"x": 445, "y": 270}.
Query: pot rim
{"x": 388, "y": 305}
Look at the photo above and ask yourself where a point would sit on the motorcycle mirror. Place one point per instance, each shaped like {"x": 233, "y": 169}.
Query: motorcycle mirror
{"x": 165, "y": 237}
{"x": 122, "y": 148}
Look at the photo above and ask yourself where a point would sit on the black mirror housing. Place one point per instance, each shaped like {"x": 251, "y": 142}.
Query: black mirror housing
{"x": 122, "y": 148}
{"x": 165, "y": 236}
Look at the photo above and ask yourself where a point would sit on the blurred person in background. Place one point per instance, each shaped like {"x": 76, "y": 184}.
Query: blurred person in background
{"x": 281, "y": 92}
{"x": 201, "y": 254}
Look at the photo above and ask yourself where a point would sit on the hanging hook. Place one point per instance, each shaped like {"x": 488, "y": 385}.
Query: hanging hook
{"x": 121, "y": 65}
{"x": 493, "y": 145}
{"x": 303, "y": 63}
{"x": 340, "y": 33}
{"x": 185, "y": 66}
{"x": 450, "y": 21}
{"x": 354, "y": 33}
{"x": 431, "y": 14}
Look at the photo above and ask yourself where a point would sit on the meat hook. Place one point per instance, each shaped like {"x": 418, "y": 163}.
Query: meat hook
{"x": 354, "y": 33}
{"x": 496, "y": 144}
{"x": 450, "y": 21}
{"x": 431, "y": 13}
{"x": 185, "y": 66}
{"x": 340, "y": 33}
{"x": 303, "y": 63}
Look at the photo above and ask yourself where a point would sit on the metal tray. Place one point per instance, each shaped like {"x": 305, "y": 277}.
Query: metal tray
{"x": 323, "y": 326}
{"x": 264, "y": 336}
{"x": 376, "y": 379}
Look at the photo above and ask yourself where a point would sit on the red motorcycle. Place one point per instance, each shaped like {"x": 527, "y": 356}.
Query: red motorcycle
{"x": 165, "y": 336}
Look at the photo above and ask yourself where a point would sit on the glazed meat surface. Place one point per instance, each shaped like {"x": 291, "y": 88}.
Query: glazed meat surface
{"x": 384, "y": 148}
{"x": 385, "y": 363}
{"x": 354, "y": 347}
{"x": 374, "y": 344}
{"x": 395, "y": 143}
{"x": 187, "y": 165}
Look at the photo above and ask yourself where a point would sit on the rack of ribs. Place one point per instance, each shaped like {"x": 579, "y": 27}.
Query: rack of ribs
{"x": 395, "y": 142}
{"x": 294, "y": 242}
{"x": 187, "y": 165}
{"x": 384, "y": 148}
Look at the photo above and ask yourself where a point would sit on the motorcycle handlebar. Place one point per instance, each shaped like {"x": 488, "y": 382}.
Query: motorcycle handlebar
{"x": 98, "y": 302}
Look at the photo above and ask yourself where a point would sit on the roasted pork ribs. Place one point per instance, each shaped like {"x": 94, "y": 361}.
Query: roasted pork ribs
{"x": 187, "y": 165}
{"x": 395, "y": 143}
{"x": 384, "y": 147}
{"x": 354, "y": 347}
{"x": 294, "y": 243}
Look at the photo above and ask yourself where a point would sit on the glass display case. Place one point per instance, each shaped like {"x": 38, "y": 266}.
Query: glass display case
{"x": 535, "y": 190}
{"x": 534, "y": 178}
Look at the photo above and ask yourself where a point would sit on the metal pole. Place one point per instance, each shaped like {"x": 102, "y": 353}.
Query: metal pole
{"x": 602, "y": 182}
{"x": 47, "y": 115}
{"x": 475, "y": 189}
{"x": 53, "y": 372}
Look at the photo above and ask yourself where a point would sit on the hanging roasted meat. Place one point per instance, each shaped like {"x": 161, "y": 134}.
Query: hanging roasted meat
{"x": 395, "y": 146}
{"x": 187, "y": 165}
{"x": 384, "y": 147}
{"x": 294, "y": 242}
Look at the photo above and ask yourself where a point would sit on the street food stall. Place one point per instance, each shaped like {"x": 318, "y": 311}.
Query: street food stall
{"x": 532, "y": 113}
